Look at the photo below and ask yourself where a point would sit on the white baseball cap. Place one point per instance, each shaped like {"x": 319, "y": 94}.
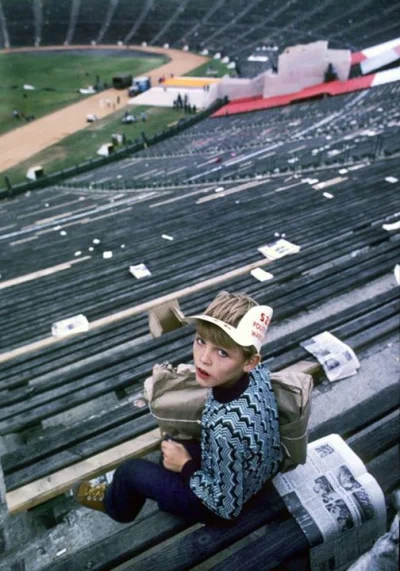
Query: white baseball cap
{"x": 251, "y": 329}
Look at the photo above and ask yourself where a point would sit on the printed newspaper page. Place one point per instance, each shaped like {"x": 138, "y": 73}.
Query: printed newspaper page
{"x": 338, "y": 505}
{"x": 337, "y": 359}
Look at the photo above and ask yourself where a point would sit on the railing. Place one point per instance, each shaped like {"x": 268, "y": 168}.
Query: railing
{"x": 14, "y": 190}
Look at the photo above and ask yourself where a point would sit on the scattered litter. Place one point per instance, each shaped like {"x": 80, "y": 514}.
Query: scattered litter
{"x": 139, "y": 271}
{"x": 122, "y": 246}
{"x": 28, "y": 193}
{"x": 96, "y": 241}
{"x": 337, "y": 359}
{"x": 357, "y": 167}
{"x": 328, "y": 137}
{"x": 390, "y": 227}
{"x": 397, "y": 273}
{"x": 81, "y": 198}
{"x": 56, "y": 228}
{"x": 107, "y": 254}
{"x": 63, "y": 233}
{"x": 276, "y": 234}
{"x": 278, "y": 249}
{"x": 328, "y": 195}
{"x": 61, "y": 552}
{"x": 219, "y": 189}
{"x": 78, "y": 253}
{"x": 261, "y": 275}
{"x": 91, "y": 249}
{"x": 343, "y": 171}
{"x": 75, "y": 324}
{"x": 237, "y": 201}
{"x": 334, "y": 152}
{"x": 166, "y": 237}
{"x": 391, "y": 179}
{"x": 46, "y": 205}
{"x": 119, "y": 176}
{"x": 139, "y": 403}
{"x": 329, "y": 182}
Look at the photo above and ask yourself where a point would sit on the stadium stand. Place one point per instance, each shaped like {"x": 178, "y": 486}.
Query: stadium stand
{"x": 19, "y": 18}
{"x": 56, "y": 18}
{"x": 90, "y": 19}
{"x": 124, "y": 17}
{"x": 322, "y": 173}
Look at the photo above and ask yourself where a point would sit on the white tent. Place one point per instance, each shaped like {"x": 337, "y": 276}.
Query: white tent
{"x": 105, "y": 150}
{"x": 35, "y": 172}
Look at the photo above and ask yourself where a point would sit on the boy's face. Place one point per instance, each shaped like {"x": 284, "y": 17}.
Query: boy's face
{"x": 219, "y": 366}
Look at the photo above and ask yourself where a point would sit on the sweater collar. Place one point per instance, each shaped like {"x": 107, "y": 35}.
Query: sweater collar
{"x": 224, "y": 395}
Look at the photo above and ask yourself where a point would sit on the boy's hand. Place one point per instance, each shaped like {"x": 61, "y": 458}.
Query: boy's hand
{"x": 175, "y": 455}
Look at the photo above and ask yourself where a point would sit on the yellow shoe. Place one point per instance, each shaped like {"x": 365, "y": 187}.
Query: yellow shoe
{"x": 91, "y": 495}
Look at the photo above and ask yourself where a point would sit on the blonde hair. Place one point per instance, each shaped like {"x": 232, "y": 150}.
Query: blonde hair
{"x": 230, "y": 308}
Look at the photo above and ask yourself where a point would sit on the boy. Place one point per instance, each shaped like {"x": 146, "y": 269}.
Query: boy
{"x": 240, "y": 443}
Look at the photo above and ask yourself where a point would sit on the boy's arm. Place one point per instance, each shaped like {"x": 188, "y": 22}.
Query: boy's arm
{"x": 221, "y": 488}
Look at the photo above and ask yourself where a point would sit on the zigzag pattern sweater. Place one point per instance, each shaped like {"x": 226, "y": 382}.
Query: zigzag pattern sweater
{"x": 240, "y": 446}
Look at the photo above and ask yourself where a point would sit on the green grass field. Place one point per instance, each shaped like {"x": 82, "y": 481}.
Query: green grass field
{"x": 84, "y": 144}
{"x": 65, "y": 73}
{"x": 216, "y": 64}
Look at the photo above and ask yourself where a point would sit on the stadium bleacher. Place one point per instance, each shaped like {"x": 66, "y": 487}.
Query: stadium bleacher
{"x": 323, "y": 174}
{"x": 20, "y": 21}
{"x": 56, "y": 18}
{"x": 90, "y": 19}
{"x": 246, "y": 25}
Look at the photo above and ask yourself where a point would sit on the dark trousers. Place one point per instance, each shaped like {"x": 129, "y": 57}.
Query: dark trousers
{"x": 136, "y": 480}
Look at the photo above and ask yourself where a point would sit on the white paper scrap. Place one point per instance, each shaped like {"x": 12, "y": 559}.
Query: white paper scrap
{"x": 328, "y": 195}
{"x": 107, "y": 255}
{"x": 78, "y": 253}
{"x": 337, "y": 359}
{"x": 166, "y": 237}
{"x": 397, "y": 273}
{"x": 139, "y": 271}
{"x": 278, "y": 249}
{"x": 63, "y": 233}
{"x": 75, "y": 324}
{"x": 219, "y": 189}
{"x": 391, "y": 179}
{"x": 390, "y": 227}
{"x": 96, "y": 241}
{"x": 326, "y": 183}
{"x": 343, "y": 171}
{"x": 61, "y": 552}
{"x": 261, "y": 275}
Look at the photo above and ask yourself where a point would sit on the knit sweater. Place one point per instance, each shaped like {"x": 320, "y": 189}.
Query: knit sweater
{"x": 240, "y": 446}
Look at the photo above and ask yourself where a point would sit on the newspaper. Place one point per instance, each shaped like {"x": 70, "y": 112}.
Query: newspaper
{"x": 338, "y": 505}
{"x": 139, "y": 271}
{"x": 69, "y": 326}
{"x": 337, "y": 359}
{"x": 278, "y": 249}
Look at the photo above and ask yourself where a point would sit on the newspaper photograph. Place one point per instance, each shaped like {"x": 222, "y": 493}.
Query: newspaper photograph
{"x": 337, "y": 359}
{"x": 337, "y": 504}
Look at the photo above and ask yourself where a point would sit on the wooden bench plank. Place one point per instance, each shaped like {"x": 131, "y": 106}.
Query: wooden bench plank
{"x": 59, "y": 482}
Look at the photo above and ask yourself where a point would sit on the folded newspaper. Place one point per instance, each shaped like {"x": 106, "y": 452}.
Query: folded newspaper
{"x": 337, "y": 359}
{"x": 278, "y": 249}
{"x": 337, "y": 504}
